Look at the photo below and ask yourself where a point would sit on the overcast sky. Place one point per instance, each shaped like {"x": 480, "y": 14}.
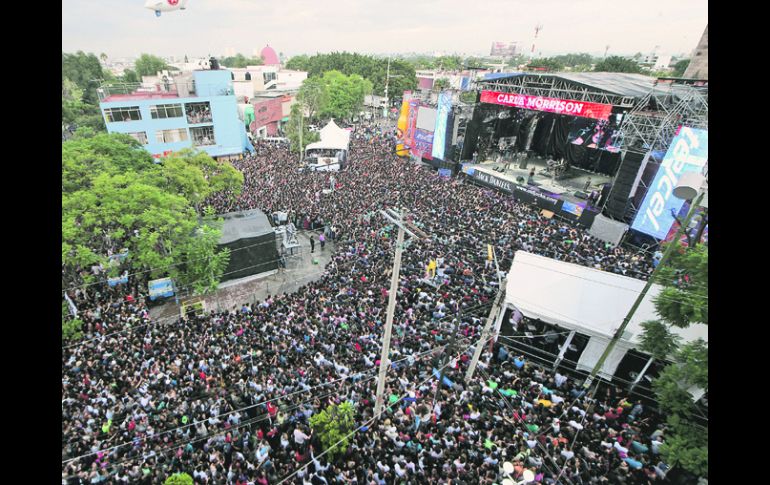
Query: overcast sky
{"x": 122, "y": 28}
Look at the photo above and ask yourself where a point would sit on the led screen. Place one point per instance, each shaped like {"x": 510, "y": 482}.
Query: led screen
{"x": 688, "y": 153}
{"x": 572, "y": 208}
{"x": 426, "y": 118}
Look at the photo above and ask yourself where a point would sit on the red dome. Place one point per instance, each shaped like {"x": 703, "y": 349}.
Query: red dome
{"x": 269, "y": 57}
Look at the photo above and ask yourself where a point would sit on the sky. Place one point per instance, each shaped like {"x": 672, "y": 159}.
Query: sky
{"x": 125, "y": 28}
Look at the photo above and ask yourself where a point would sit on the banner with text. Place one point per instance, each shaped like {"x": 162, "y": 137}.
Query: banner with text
{"x": 570, "y": 107}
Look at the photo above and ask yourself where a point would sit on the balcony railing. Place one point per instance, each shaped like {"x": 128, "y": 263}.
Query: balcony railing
{"x": 160, "y": 90}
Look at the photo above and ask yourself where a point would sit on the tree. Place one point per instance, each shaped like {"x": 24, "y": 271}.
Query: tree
{"x": 179, "y": 479}
{"x": 345, "y": 94}
{"x": 617, "y": 64}
{"x": 333, "y": 425}
{"x": 114, "y": 197}
{"x": 440, "y": 84}
{"x": 550, "y": 64}
{"x": 205, "y": 265}
{"x": 76, "y": 112}
{"x": 313, "y": 95}
{"x": 241, "y": 61}
{"x": 85, "y": 71}
{"x": 574, "y": 60}
{"x": 293, "y": 127}
{"x": 149, "y": 65}
{"x": 682, "y": 302}
{"x": 684, "y": 299}
{"x": 680, "y": 67}
{"x": 103, "y": 57}
{"x": 130, "y": 76}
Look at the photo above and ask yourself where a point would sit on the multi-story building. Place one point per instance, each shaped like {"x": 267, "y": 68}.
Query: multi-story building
{"x": 192, "y": 110}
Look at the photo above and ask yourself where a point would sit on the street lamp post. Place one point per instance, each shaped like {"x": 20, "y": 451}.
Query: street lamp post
{"x": 688, "y": 186}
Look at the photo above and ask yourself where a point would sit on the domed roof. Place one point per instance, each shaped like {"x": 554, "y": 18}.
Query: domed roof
{"x": 269, "y": 57}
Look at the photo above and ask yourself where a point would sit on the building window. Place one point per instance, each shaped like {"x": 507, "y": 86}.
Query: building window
{"x": 247, "y": 77}
{"x": 161, "y": 111}
{"x": 202, "y": 136}
{"x": 171, "y": 136}
{"x": 129, "y": 113}
{"x": 268, "y": 76}
{"x": 140, "y": 136}
{"x": 198, "y": 113}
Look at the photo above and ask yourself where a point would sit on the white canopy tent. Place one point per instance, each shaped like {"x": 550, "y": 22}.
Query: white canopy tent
{"x": 587, "y": 300}
{"x": 332, "y": 138}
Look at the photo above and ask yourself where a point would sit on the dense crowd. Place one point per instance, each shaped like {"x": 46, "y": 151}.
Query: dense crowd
{"x": 227, "y": 397}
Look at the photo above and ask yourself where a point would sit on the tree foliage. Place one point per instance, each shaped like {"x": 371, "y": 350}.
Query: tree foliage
{"x": 293, "y": 129}
{"x": 373, "y": 69}
{"x": 548, "y": 63}
{"x": 617, "y": 64}
{"x": 114, "y": 197}
{"x": 179, "y": 479}
{"x": 149, "y": 65}
{"x": 333, "y": 425}
{"x": 658, "y": 340}
{"x": 680, "y": 67}
{"x": 241, "y": 61}
{"x": 313, "y": 96}
{"x": 344, "y": 94}
{"x": 85, "y": 71}
{"x": 440, "y": 84}
{"x": 684, "y": 299}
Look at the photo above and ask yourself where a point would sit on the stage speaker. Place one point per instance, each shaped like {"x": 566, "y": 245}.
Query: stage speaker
{"x": 619, "y": 196}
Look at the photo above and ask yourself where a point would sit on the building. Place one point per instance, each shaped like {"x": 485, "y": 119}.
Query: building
{"x": 190, "y": 110}
{"x": 251, "y": 81}
{"x": 655, "y": 61}
{"x": 699, "y": 63}
{"x": 271, "y": 113}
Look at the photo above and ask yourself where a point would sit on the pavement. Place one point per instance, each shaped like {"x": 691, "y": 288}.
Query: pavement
{"x": 299, "y": 271}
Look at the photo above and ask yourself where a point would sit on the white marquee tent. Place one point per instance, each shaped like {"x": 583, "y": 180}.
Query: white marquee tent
{"x": 332, "y": 138}
{"x": 587, "y": 300}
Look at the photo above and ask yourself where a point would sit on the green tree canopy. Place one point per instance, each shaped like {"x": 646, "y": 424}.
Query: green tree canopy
{"x": 149, "y": 65}
{"x": 440, "y": 84}
{"x": 179, "y": 479}
{"x": 114, "y": 197}
{"x": 85, "y": 71}
{"x": 684, "y": 299}
{"x": 617, "y": 64}
{"x": 345, "y": 94}
{"x": 241, "y": 61}
{"x": 314, "y": 96}
{"x": 333, "y": 425}
{"x": 680, "y": 67}
{"x": 293, "y": 129}
{"x": 549, "y": 63}
{"x": 374, "y": 69}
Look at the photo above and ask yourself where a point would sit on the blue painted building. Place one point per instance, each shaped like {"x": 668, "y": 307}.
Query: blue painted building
{"x": 195, "y": 110}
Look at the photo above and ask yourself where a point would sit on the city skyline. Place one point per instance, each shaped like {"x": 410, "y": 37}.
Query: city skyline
{"x": 126, "y": 29}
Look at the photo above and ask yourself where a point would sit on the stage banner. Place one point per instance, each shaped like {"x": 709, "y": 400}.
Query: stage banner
{"x": 160, "y": 288}
{"x": 440, "y": 131}
{"x": 541, "y": 199}
{"x": 423, "y": 144}
{"x": 491, "y": 181}
{"x": 570, "y": 107}
{"x": 411, "y": 124}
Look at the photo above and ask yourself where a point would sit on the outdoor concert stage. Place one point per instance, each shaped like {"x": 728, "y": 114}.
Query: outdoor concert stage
{"x": 564, "y": 197}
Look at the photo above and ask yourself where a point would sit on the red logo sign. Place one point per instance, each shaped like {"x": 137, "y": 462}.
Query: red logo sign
{"x": 173, "y": 2}
{"x": 584, "y": 109}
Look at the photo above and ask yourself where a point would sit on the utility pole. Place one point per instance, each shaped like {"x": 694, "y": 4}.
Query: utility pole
{"x": 403, "y": 226}
{"x": 485, "y": 333}
{"x": 619, "y": 332}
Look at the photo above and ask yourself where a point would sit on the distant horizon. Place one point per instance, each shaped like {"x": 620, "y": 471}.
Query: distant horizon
{"x": 123, "y": 28}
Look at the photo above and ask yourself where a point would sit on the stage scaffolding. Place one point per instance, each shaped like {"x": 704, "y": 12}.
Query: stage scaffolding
{"x": 653, "y": 123}
{"x": 553, "y": 86}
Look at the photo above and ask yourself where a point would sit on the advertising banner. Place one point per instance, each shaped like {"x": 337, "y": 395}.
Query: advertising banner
{"x": 401, "y": 127}
{"x": 688, "y": 153}
{"x": 570, "y": 107}
{"x": 440, "y": 132}
{"x": 423, "y": 144}
{"x": 411, "y": 124}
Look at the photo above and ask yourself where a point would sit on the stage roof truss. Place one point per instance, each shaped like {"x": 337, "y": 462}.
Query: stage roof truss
{"x": 556, "y": 87}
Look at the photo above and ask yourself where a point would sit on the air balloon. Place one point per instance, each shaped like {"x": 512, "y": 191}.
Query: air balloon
{"x": 165, "y": 5}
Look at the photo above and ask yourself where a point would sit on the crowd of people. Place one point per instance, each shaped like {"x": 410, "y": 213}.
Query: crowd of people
{"x": 226, "y": 397}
